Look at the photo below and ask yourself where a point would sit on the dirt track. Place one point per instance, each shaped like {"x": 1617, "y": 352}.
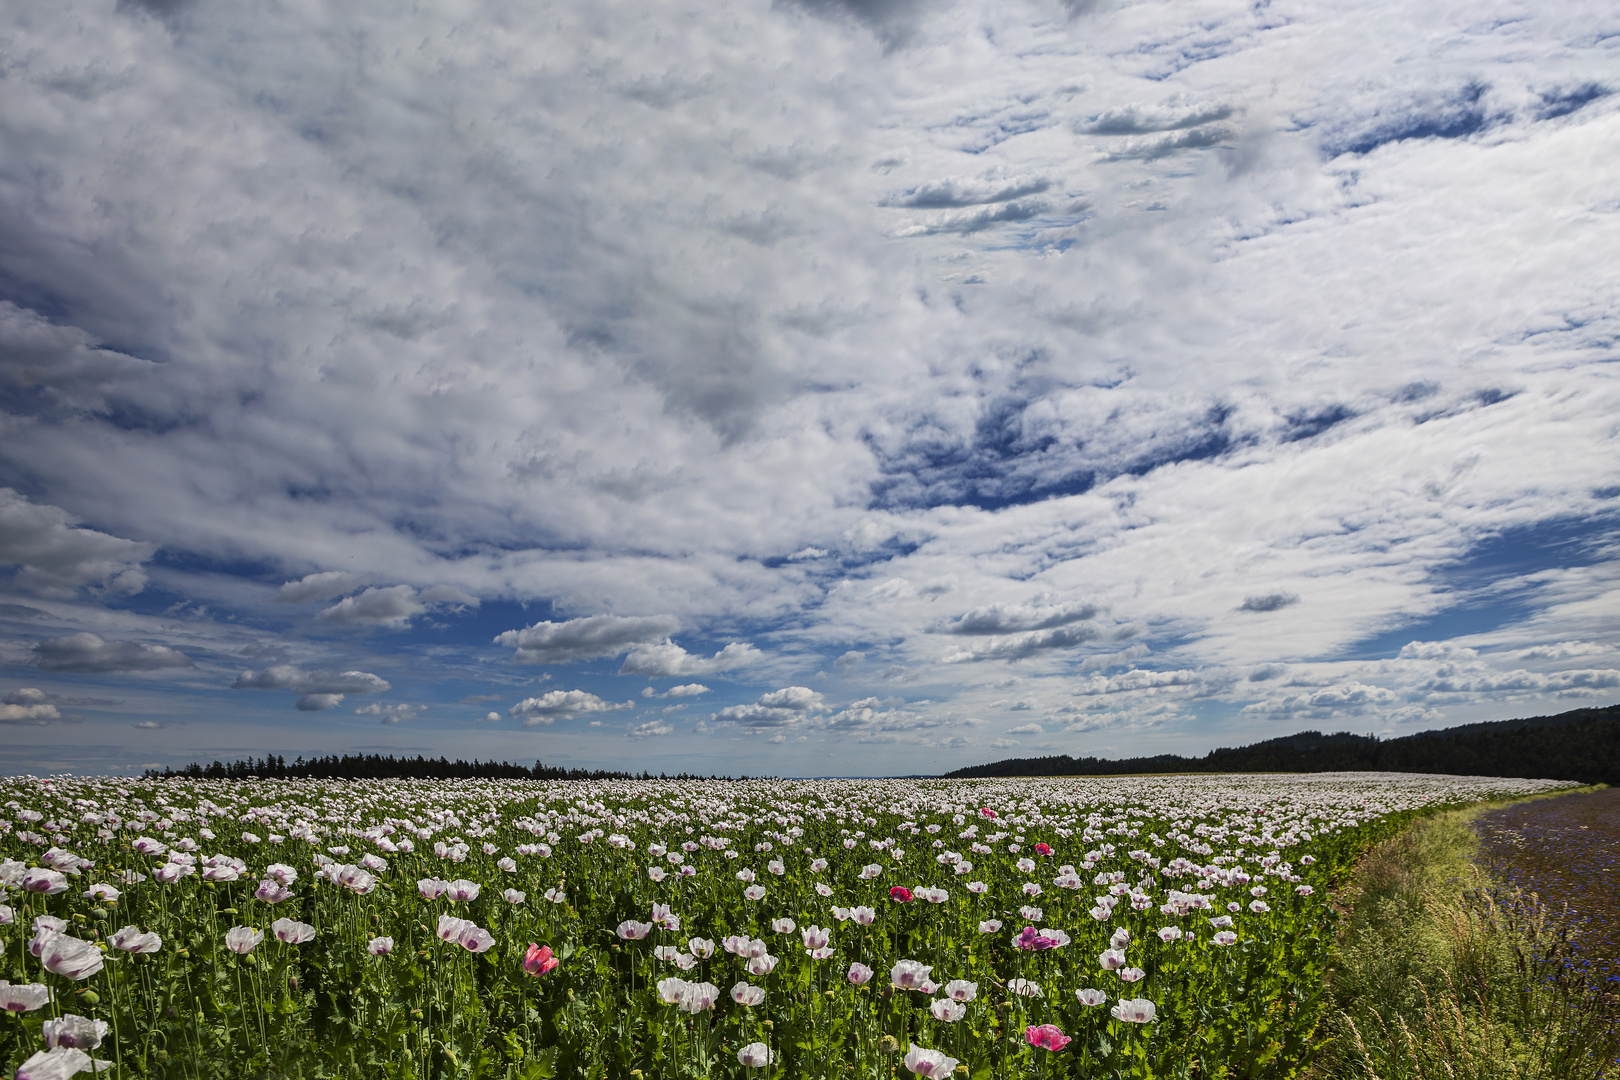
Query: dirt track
{"x": 1568, "y": 851}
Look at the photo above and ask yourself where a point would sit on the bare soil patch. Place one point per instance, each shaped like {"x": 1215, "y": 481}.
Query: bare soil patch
{"x": 1567, "y": 851}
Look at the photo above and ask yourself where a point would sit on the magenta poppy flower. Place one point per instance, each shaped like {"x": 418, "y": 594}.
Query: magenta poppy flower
{"x": 538, "y": 960}
{"x": 1043, "y": 849}
{"x": 1046, "y": 1036}
{"x": 900, "y": 894}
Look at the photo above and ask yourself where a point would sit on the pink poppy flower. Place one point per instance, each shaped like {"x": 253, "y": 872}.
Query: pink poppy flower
{"x": 538, "y": 960}
{"x": 900, "y": 894}
{"x": 1046, "y": 1036}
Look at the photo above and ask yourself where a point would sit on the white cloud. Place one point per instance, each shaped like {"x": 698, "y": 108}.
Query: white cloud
{"x": 395, "y": 605}
{"x": 780, "y": 708}
{"x": 316, "y": 690}
{"x": 562, "y": 704}
{"x": 320, "y": 586}
{"x": 88, "y": 654}
{"x": 1333, "y": 701}
{"x": 1004, "y": 744}
{"x": 669, "y": 659}
{"x": 55, "y": 558}
{"x": 1026, "y": 729}
{"x": 1023, "y": 646}
{"x": 650, "y": 728}
{"x": 391, "y": 714}
{"x": 587, "y": 638}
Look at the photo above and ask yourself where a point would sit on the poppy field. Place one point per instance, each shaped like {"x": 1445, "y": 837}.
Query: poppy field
{"x": 1136, "y": 927}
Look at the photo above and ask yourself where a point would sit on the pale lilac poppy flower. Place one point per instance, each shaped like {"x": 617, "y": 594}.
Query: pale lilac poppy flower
{"x": 23, "y": 997}
{"x": 450, "y": 928}
{"x": 747, "y": 994}
{"x": 432, "y": 888}
{"x": 762, "y": 965}
{"x": 1025, "y": 988}
{"x": 990, "y": 926}
{"x": 1134, "y": 1010}
{"x": 514, "y": 896}
{"x": 476, "y": 939}
{"x": 242, "y": 940}
{"x": 462, "y": 891}
{"x": 271, "y": 892}
{"x": 631, "y": 930}
{"x": 1225, "y": 937}
{"x": 58, "y": 1064}
{"x": 70, "y": 958}
{"x": 1091, "y": 998}
{"x": 961, "y": 990}
{"x": 947, "y": 1010}
{"x": 863, "y": 916}
{"x": 1132, "y": 974}
{"x": 860, "y": 974}
{"x": 380, "y": 946}
{"x": 815, "y": 937}
{"x": 931, "y": 1064}
{"x": 102, "y": 892}
{"x": 912, "y": 975}
{"x": 292, "y": 932}
{"x": 701, "y": 947}
{"x": 782, "y": 926}
{"x": 1112, "y": 959}
{"x": 131, "y": 940}
{"x": 754, "y": 1055}
{"x": 41, "y": 881}
{"x": 754, "y": 892}
{"x": 74, "y": 1031}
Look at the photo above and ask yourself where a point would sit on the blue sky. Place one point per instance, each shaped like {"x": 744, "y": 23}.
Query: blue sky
{"x": 830, "y": 387}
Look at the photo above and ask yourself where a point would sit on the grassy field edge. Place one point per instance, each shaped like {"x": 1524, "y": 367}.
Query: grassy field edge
{"x": 1442, "y": 972}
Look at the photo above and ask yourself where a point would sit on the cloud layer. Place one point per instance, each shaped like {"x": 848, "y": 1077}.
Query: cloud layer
{"x": 929, "y": 378}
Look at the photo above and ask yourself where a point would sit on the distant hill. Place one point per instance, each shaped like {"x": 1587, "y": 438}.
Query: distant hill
{"x": 1583, "y": 744}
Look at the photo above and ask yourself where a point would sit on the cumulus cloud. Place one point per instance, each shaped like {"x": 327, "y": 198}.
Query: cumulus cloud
{"x": 1274, "y": 601}
{"x": 1023, "y": 646}
{"x": 649, "y": 729}
{"x": 587, "y": 638}
{"x": 683, "y": 690}
{"x": 1014, "y": 618}
{"x": 54, "y": 557}
{"x": 390, "y": 714}
{"x": 1344, "y": 699}
{"x": 1139, "y": 679}
{"x": 28, "y": 705}
{"x": 90, "y": 654}
{"x": 669, "y": 659}
{"x": 320, "y": 586}
{"x": 393, "y": 606}
{"x": 1026, "y": 729}
{"x": 562, "y": 705}
{"x": 316, "y": 690}
{"x": 780, "y": 708}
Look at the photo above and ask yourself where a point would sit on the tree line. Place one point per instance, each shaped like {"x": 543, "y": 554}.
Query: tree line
{"x": 388, "y": 767}
{"x": 1583, "y": 744}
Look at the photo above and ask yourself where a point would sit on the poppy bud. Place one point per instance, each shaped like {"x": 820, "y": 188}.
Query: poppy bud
{"x": 888, "y": 1044}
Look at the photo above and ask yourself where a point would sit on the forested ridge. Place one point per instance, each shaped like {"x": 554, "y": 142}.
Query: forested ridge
{"x": 1583, "y": 744}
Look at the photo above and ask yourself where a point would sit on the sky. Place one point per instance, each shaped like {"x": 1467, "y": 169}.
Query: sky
{"x": 809, "y": 387}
